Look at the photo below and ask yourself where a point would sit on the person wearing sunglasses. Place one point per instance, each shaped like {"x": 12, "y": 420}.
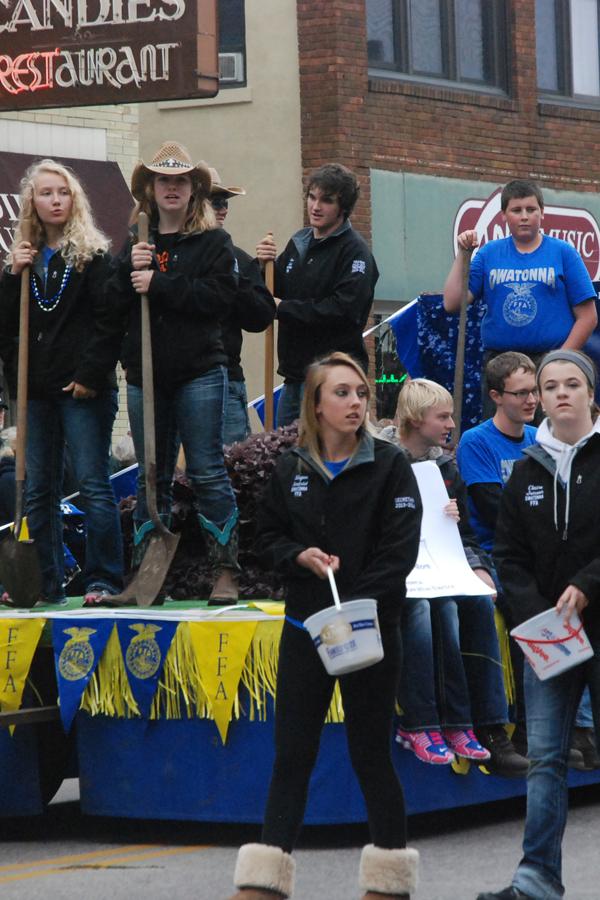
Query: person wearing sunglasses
{"x": 253, "y": 310}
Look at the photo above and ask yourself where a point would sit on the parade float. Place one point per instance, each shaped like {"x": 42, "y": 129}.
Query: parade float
{"x": 167, "y": 712}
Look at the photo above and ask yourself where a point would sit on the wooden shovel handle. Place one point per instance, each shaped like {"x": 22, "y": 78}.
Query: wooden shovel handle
{"x": 22, "y": 387}
{"x": 269, "y": 351}
{"x": 148, "y": 395}
{"x": 459, "y": 368}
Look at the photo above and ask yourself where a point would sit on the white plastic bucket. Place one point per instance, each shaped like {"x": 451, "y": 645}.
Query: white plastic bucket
{"x": 550, "y": 645}
{"x": 348, "y": 638}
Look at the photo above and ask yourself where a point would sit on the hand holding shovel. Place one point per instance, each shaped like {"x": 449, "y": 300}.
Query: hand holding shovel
{"x": 144, "y": 588}
{"x": 19, "y": 565}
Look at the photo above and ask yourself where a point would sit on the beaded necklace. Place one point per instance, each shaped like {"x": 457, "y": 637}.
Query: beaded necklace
{"x": 47, "y": 304}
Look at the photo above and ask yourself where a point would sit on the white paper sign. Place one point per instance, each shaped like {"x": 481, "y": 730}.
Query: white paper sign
{"x": 442, "y": 569}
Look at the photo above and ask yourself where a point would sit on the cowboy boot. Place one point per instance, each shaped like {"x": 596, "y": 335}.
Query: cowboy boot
{"x": 263, "y": 872}
{"x": 222, "y": 548}
{"x": 388, "y": 874}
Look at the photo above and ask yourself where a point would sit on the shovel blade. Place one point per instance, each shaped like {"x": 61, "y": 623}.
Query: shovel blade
{"x": 20, "y": 572}
{"x": 145, "y": 586}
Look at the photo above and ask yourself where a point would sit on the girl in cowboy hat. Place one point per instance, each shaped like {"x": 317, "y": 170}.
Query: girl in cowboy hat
{"x": 73, "y": 349}
{"x": 187, "y": 271}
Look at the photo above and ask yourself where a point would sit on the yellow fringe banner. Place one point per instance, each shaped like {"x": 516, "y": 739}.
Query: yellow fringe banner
{"x": 187, "y": 689}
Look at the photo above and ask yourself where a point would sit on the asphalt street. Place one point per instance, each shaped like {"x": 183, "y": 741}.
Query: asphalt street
{"x": 67, "y": 855}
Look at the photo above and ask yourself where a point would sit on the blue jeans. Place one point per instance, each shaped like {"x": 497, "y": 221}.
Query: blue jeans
{"x": 193, "y": 412}
{"x": 237, "y": 423}
{"x": 86, "y": 426}
{"x": 584, "y": 717}
{"x": 551, "y": 709}
{"x": 290, "y": 402}
{"x": 451, "y": 672}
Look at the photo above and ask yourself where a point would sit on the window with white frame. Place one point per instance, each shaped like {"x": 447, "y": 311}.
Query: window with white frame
{"x": 232, "y": 43}
{"x": 458, "y": 41}
{"x": 568, "y": 49}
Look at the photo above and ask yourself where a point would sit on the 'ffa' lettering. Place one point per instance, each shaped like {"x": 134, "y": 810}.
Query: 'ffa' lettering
{"x": 221, "y": 665}
{"x": 9, "y": 686}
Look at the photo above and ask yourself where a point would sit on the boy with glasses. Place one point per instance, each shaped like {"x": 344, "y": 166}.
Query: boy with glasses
{"x": 486, "y": 455}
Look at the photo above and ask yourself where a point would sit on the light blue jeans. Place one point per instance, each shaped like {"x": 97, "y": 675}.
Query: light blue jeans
{"x": 551, "y": 709}
{"x": 86, "y": 426}
{"x": 193, "y": 412}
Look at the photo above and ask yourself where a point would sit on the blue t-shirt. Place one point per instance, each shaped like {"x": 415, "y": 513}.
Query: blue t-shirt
{"x": 335, "y": 467}
{"x": 47, "y": 254}
{"x": 528, "y": 296}
{"x": 486, "y": 456}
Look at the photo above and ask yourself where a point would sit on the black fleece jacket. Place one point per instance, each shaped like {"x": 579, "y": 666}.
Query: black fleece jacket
{"x": 78, "y": 340}
{"x": 187, "y": 305}
{"x": 536, "y": 557}
{"x": 369, "y": 516}
{"x": 326, "y": 290}
{"x": 253, "y": 310}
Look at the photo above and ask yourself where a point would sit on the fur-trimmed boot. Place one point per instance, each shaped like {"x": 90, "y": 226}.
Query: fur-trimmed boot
{"x": 388, "y": 874}
{"x": 263, "y": 872}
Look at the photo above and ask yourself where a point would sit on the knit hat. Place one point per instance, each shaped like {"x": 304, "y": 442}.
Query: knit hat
{"x": 578, "y": 359}
{"x": 170, "y": 159}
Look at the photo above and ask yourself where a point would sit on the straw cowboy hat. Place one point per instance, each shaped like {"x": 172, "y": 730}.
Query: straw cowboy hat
{"x": 219, "y": 188}
{"x": 170, "y": 159}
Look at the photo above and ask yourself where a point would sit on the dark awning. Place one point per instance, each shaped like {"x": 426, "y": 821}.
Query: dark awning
{"x": 104, "y": 184}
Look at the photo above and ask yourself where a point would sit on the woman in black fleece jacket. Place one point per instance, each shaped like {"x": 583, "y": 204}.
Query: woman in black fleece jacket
{"x": 350, "y": 501}
{"x": 548, "y": 554}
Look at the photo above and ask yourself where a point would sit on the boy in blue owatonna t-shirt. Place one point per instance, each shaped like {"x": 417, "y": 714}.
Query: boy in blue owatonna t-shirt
{"x": 537, "y": 292}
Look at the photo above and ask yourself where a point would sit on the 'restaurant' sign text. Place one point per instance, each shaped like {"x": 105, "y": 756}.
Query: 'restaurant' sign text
{"x": 82, "y": 52}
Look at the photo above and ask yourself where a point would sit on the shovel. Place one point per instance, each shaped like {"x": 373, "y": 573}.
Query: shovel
{"x": 145, "y": 586}
{"x": 459, "y": 368}
{"x": 19, "y": 565}
{"x": 269, "y": 350}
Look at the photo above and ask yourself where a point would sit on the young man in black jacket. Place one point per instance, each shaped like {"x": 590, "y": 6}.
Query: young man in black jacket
{"x": 324, "y": 284}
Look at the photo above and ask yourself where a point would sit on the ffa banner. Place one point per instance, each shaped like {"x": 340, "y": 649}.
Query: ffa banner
{"x": 220, "y": 649}
{"x": 77, "y": 650}
{"x": 144, "y": 646}
{"x": 18, "y": 640}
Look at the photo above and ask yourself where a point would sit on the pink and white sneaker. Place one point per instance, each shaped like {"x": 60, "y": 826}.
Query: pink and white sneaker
{"x": 428, "y": 746}
{"x": 464, "y": 743}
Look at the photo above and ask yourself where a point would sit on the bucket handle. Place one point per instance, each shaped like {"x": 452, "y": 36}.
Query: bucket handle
{"x": 563, "y": 640}
{"x": 334, "y": 590}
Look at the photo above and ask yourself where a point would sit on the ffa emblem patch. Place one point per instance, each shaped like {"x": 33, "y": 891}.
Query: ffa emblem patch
{"x": 77, "y": 656}
{"x": 143, "y": 654}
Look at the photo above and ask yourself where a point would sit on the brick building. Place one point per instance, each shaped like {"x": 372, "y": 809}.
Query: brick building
{"x": 437, "y": 101}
